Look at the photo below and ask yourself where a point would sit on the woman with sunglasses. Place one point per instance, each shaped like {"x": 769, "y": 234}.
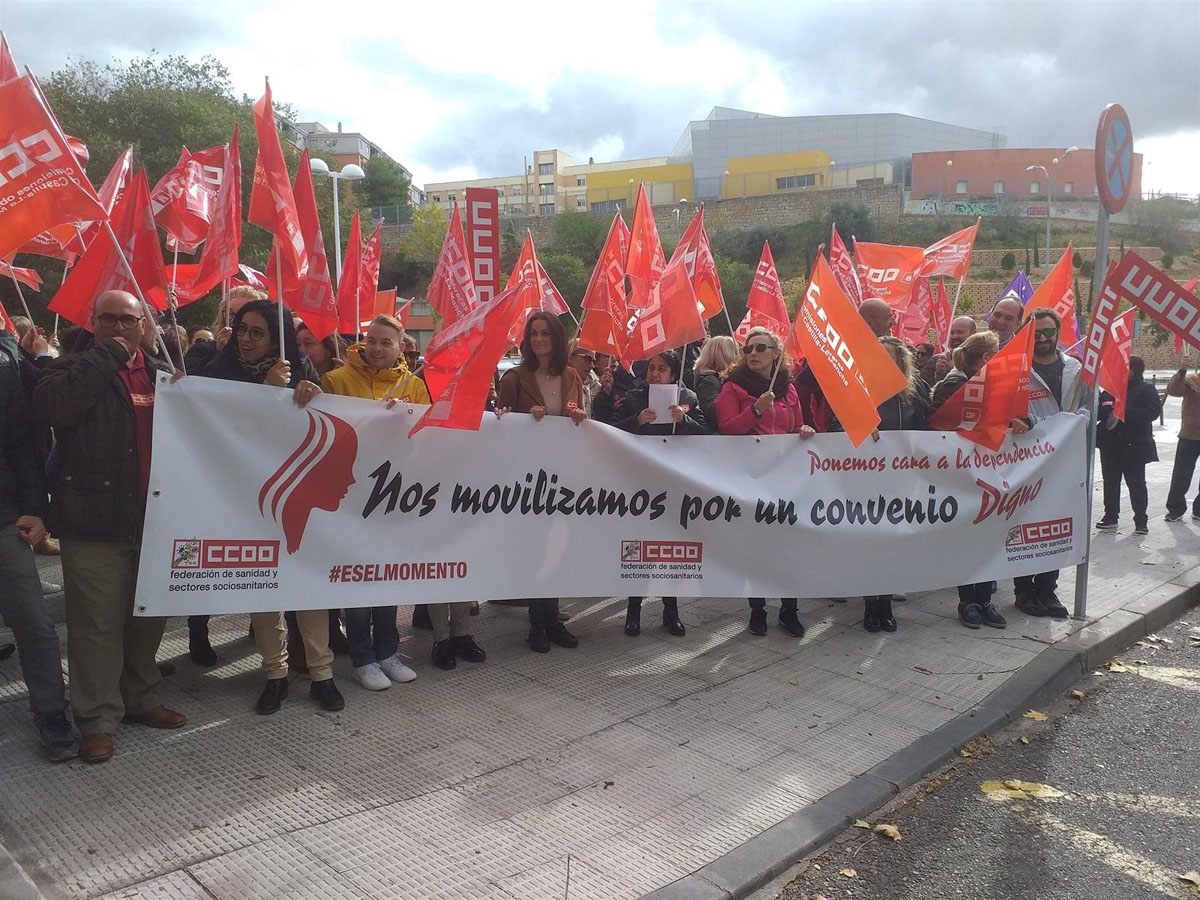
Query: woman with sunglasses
{"x": 747, "y": 404}
{"x": 258, "y": 354}
{"x": 635, "y": 416}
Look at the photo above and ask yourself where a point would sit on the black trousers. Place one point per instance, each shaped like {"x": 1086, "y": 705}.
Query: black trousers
{"x": 979, "y": 593}
{"x": 543, "y": 611}
{"x": 1113, "y": 467}
{"x": 785, "y": 603}
{"x": 1186, "y": 454}
{"x": 1041, "y": 583}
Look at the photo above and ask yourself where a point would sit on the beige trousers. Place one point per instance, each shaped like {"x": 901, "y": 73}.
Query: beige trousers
{"x": 270, "y": 637}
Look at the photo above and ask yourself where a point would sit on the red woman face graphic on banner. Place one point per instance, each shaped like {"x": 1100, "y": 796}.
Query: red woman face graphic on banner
{"x": 317, "y": 475}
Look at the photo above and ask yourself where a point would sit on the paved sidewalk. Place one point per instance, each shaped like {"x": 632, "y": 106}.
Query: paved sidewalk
{"x": 642, "y": 761}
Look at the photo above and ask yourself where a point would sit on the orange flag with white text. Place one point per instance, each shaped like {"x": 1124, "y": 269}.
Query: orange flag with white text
{"x": 855, "y": 373}
{"x": 886, "y": 272}
{"x": 1057, "y": 292}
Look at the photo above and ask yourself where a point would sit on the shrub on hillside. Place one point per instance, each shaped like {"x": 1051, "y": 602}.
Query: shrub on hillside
{"x": 1008, "y": 260}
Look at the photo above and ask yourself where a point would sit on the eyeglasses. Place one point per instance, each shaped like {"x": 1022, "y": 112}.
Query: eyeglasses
{"x": 757, "y": 348}
{"x": 590, "y": 359}
{"x": 108, "y": 320}
{"x": 1046, "y": 333}
{"x": 255, "y": 333}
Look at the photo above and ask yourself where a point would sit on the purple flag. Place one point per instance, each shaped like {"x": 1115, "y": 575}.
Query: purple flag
{"x": 1018, "y": 289}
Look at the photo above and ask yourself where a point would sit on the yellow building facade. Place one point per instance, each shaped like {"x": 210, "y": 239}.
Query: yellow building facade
{"x": 755, "y": 176}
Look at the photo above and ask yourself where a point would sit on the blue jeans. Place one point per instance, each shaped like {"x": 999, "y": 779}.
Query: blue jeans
{"x": 365, "y": 647}
{"x": 27, "y": 614}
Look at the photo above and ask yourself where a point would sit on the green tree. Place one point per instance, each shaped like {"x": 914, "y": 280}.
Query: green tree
{"x": 385, "y": 185}
{"x": 569, "y": 275}
{"x": 579, "y": 234}
{"x": 424, "y": 241}
{"x": 510, "y": 247}
{"x": 853, "y": 220}
{"x": 735, "y": 278}
{"x": 1008, "y": 260}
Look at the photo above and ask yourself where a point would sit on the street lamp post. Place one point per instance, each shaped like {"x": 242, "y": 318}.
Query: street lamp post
{"x": 350, "y": 172}
{"x": 1049, "y": 173}
{"x": 949, "y": 166}
{"x": 682, "y": 201}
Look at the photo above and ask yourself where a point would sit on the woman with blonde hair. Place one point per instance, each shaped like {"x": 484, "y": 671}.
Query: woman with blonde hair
{"x": 747, "y": 405}
{"x": 719, "y": 353}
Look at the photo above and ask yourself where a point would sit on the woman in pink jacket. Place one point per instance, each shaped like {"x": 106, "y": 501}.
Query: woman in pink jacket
{"x": 748, "y": 404}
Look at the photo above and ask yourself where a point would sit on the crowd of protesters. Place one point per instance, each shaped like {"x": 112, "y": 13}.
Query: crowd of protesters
{"x": 75, "y": 449}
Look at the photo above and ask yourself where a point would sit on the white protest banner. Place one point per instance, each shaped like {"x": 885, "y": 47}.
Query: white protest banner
{"x": 256, "y": 504}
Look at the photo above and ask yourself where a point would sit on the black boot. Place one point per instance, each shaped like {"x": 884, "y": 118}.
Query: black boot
{"x": 671, "y": 619}
{"x": 633, "y": 617}
{"x": 199, "y": 647}
{"x": 538, "y": 642}
{"x": 273, "y": 695}
{"x": 871, "y": 620}
{"x": 789, "y": 621}
{"x": 326, "y": 693}
{"x": 758, "y": 622}
{"x": 557, "y": 632}
{"x": 886, "y": 620}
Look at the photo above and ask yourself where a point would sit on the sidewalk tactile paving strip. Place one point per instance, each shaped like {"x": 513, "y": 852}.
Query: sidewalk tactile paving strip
{"x": 644, "y": 759}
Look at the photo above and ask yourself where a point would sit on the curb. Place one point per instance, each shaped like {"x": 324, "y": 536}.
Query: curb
{"x": 14, "y": 883}
{"x": 743, "y": 870}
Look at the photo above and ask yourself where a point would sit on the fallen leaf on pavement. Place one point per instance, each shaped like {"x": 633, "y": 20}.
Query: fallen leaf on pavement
{"x": 819, "y": 897}
{"x": 1115, "y": 665}
{"x": 1192, "y": 877}
{"x": 890, "y": 830}
{"x": 1077, "y": 695}
{"x": 792, "y": 681}
{"x": 862, "y": 823}
{"x": 1014, "y": 789}
{"x": 977, "y": 748}
{"x": 848, "y": 873}
{"x": 1035, "y": 715}
{"x": 1023, "y": 739}
{"x": 1140, "y": 644}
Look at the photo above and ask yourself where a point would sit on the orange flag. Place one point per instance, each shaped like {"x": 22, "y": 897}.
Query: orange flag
{"x": 941, "y": 317}
{"x": 843, "y": 268}
{"x": 452, "y": 288}
{"x": 1114, "y": 361}
{"x": 995, "y": 395}
{"x": 701, "y": 266}
{"x": 605, "y": 313}
{"x": 765, "y": 305}
{"x": 349, "y": 293}
{"x": 1057, "y": 292}
{"x": 646, "y": 263}
{"x": 403, "y": 312}
{"x": 44, "y": 186}
{"x": 951, "y": 256}
{"x": 887, "y": 272}
{"x": 855, "y": 373}
{"x": 272, "y": 204}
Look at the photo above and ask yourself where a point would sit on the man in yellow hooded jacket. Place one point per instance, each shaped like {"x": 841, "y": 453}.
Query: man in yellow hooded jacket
{"x": 373, "y": 368}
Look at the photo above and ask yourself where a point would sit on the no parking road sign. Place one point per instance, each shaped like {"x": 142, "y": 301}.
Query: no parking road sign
{"x": 1114, "y": 157}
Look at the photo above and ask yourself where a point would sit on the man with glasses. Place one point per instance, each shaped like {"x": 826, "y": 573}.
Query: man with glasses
{"x": 1051, "y": 391}
{"x": 583, "y": 361}
{"x": 101, "y": 405}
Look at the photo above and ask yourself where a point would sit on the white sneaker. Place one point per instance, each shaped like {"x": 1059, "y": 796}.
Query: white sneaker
{"x": 371, "y": 677}
{"x": 394, "y": 669}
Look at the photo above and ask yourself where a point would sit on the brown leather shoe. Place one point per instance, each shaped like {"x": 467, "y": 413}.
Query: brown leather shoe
{"x": 96, "y": 748}
{"x": 159, "y": 717}
{"x": 47, "y": 546}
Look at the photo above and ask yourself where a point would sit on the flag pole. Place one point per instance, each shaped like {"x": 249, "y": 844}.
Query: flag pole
{"x": 149, "y": 311}
{"x": 225, "y": 302}
{"x": 171, "y": 304}
{"x": 21, "y": 294}
{"x": 279, "y": 293}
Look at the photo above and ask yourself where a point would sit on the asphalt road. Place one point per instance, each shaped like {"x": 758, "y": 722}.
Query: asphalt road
{"x": 1126, "y": 759}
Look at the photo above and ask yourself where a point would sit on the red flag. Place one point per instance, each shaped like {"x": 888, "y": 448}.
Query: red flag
{"x": 310, "y": 297}
{"x": 951, "y": 255}
{"x": 6, "y": 324}
{"x": 272, "y": 204}
{"x": 219, "y": 259}
{"x": 349, "y": 288}
{"x": 78, "y": 239}
{"x": 41, "y": 183}
{"x": 100, "y": 269}
{"x": 452, "y": 288}
{"x": 646, "y": 263}
{"x": 1190, "y": 287}
{"x": 253, "y": 278}
{"x": 765, "y": 305}
{"x": 461, "y": 359}
{"x": 530, "y": 273}
{"x": 403, "y": 311}
{"x": 701, "y": 266}
{"x": 843, "y": 268}
{"x": 28, "y": 277}
{"x": 182, "y": 203}
{"x": 1057, "y": 292}
{"x": 941, "y": 317}
{"x": 8, "y": 65}
{"x": 382, "y": 304}
{"x": 887, "y": 272}
{"x": 671, "y": 319}
{"x": 995, "y": 395}
{"x": 1114, "y": 361}
{"x": 855, "y": 373}
{"x": 369, "y": 284}
{"x": 912, "y": 324}
{"x": 605, "y": 313}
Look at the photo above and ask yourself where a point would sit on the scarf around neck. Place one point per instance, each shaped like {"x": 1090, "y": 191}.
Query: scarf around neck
{"x": 258, "y": 370}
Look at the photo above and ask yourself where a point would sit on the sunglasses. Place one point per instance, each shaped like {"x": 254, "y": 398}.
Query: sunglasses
{"x": 108, "y": 320}
{"x": 1046, "y": 333}
{"x": 757, "y": 348}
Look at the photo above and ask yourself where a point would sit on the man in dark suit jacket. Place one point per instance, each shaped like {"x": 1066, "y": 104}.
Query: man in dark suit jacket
{"x": 1126, "y": 447}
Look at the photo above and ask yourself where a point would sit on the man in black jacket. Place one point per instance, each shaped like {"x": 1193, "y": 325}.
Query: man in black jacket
{"x": 1126, "y": 447}
{"x": 22, "y": 510}
{"x": 101, "y": 403}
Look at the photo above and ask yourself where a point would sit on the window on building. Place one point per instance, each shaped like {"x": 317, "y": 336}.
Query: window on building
{"x": 1069, "y": 187}
{"x": 546, "y": 189}
{"x": 452, "y": 198}
{"x": 580, "y": 181}
{"x": 795, "y": 181}
{"x": 499, "y": 190}
{"x": 960, "y": 187}
{"x": 607, "y": 206}
{"x": 437, "y": 198}
{"x": 581, "y": 203}
{"x": 1035, "y": 187}
{"x": 516, "y": 190}
{"x": 545, "y": 168}
{"x": 997, "y": 187}
{"x": 546, "y": 209}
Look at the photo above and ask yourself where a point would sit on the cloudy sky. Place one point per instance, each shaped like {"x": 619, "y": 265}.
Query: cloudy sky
{"x": 457, "y": 89}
